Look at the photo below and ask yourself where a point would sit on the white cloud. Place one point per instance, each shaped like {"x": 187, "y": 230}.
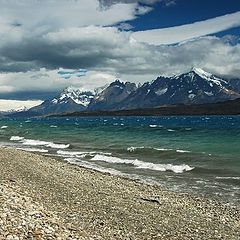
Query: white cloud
{"x": 128, "y": 60}
{"x": 185, "y": 32}
{"x": 50, "y": 80}
{"x": 33, "y": 47}
{"x": 44, "y": 15}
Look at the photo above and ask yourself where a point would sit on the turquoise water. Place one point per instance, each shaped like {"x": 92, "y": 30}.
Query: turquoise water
{"x": 200, "y": 155}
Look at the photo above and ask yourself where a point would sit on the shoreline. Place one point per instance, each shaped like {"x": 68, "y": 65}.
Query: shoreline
{"x": 87, "y": 204}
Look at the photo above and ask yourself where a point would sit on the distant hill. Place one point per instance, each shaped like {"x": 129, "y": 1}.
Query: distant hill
{"x": 231, "y": 107}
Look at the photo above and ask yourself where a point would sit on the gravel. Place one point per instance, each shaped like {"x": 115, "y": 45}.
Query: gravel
{"x": 44, "y": 198}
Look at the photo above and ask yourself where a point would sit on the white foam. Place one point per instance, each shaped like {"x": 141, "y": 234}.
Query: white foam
{"x": 89, "y": 165}
{"x": 4, "y": 127}
{"x": 182, "y": 151}
{"x": 171, "y": 130}
{"x": 80, "y": 153}
{"x": 132, "y": 149}
{"x": 152, "y": 126}
{"x": 53, "y": 126}
{"x": 34, "y": 150}
{"x": 234, "y": 178}
{"x": 58, "y": 146}
{"x": 61, "y": 152}
{"x": 16, "y": 138}
{"x": 32, "y": 142}
{"x": 144, "y": 165}
{"x": 163, "y": 149}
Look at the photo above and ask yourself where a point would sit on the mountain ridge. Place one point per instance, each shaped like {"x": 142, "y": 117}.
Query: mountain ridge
{"x": 191, "y": 88}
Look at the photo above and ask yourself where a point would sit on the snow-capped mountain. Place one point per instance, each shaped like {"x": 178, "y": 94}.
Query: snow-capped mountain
{"x": 194, "y": 87}
{"x": 19, "y": 109}
{"x": 76, "y": 95}
{"x": 69, "y": 100}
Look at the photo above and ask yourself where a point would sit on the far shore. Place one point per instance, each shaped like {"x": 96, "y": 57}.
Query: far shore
{"x": 45, "y": 198}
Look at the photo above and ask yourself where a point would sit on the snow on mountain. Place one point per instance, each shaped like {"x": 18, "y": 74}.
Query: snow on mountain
{"x": 76, "y": 95}
{"x": 209, "y": 77}
{"x": 69, "y": 100}
{"x": 194, "y": 87}
{"x": 19, "y": 109}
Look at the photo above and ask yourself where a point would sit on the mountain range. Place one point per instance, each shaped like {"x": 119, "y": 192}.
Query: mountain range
{"x": 191, "y": 88}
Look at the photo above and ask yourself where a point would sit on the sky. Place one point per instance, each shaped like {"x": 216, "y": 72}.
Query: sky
{"x": 47, "y": 45}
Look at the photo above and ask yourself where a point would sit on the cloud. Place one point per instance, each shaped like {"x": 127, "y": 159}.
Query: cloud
{"x": 117, "y": 56}
{"x": 124, "y": 26}
{"x": 51, "y": 81}
{"x": 39, "y": 53}
{"x": 74, "y": 48}
{"x": 44, "y": 16}
{"x": 107, "y": 3}
{"x": 185, "y": 32}
{"x": 170, "y": 3}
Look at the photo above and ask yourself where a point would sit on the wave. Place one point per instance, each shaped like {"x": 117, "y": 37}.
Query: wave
{"x": 133, "y": 149}
{"x": 33, "y": 150}
{"x": 32, "y": 142}
{"x": 16, "y": 138}
{"x": 89, "y": 165}
{"x": 182, "y": 151}
{"x": 4, "y": 127}
{"x": 80, "y": 153}
{"x": 53, "y": 126}
{"x": 230, "y": 178}
{"x": 144, "y": 165}
{"x": 58, "y": 145}
{"x": 153, "y": 126}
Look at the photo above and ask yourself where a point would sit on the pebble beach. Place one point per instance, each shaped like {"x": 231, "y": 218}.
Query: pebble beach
{"x": 46, "y": 198}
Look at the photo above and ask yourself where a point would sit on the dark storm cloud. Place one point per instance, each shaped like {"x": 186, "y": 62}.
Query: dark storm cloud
{"x": 36, "y": 53}
{"x": 26, "y": 95}
{"x": 106, "y": 49}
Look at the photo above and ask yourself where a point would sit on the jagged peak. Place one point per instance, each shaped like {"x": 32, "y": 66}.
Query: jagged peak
{"x": 77, "y": 95}
{"x": 208, "y": 76}
{"x": 75, "y": 90}
{"x": 117, "y": 82}
{"x": 201, "y": 72}
{"x": 211, "y": 78}
{"x": 69, "y": 89}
